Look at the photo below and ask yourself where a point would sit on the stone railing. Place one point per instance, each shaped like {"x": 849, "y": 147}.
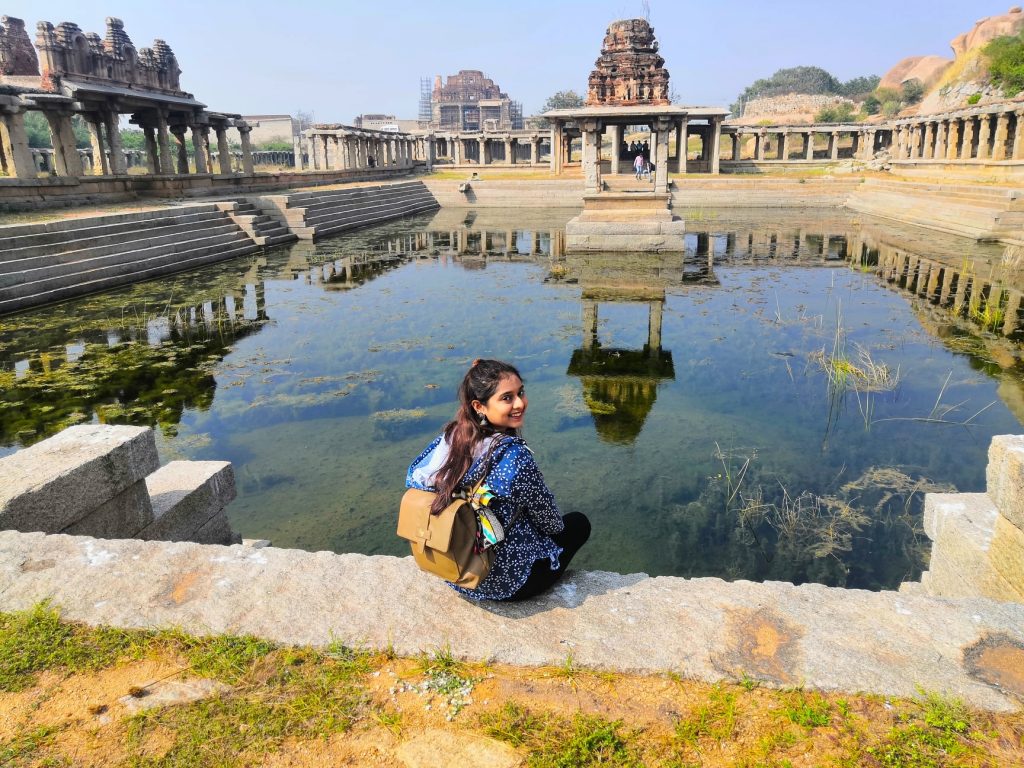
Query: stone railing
{"x": 106, "y": 481}
{"x": 978, "y": 538}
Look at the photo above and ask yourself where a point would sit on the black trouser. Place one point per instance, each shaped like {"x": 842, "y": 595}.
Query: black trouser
{"x": 572, "y": 537}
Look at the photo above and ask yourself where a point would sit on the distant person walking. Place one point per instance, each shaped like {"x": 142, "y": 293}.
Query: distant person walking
{"x": 638, "y": 165}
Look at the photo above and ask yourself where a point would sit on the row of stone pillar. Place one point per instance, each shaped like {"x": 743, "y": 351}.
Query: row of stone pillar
{"x": 110, "y": 157}
{"x": 787, "y": 140}
{"x": 995, "y": 135}
{"x": 456, "y": 146}
{"x": 338, "y": 151}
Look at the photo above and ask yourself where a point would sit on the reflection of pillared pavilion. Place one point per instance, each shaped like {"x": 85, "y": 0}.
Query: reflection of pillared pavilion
{"x": 621, "y": 385}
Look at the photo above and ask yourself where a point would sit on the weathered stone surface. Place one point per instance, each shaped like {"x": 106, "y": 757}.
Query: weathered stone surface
{"x": 53, "y": 484}
{"x": 216, "y": 530}
{"x": 186, "y": 496}
{"x": 434, "y": 748}
{"x": 708, "y": 629}
{"x": 122, "y": 517}
{"x": 1005, "y": 476}
{"x": 1006, "y": 553}
{"x": 629, "y": 70}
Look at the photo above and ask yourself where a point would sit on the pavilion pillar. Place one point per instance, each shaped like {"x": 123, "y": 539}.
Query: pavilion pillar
{"x": 939, "y": 152}
{"x": 1002, "y": 133}
{"x": 915, "y": 142}
{"x": 65, "y": 153}
{"x": 737, "y": 145}
{"x": 661, "y": 127}
{"x": 762, "y": 137}
{"x": 682, "y": 143}
{"x": 14, "y": 139}
{"x": 99, "y": 154}
{"x": 615, "y": 138}
{"x": 809, "y": 145}
{"x": 223, "y": 150}
{"x": 509, "y": 159}
{"x": 715, "y": 131}
{"x": 984, "y": 136}
{"x": 455, "y": 149}
{"x": 152, "y": 153}
{"x": 534, "y": 149}
{"x": 967, "y": 147}
{"x": 178, "y": 132}
{"x": 118, "y": 166}
{"x": 928, "y": 142}
{"x": 346, "y": 153}
{"x": 1017, "y": 153}
{"x": 784, "y": 147}
{"x": 952, "y": 145}
{"x": 556, "y": 148}
{"x": 482, "y": 149}
{"x": 833, "y": 145}
{"x": 201, "y": 145}
{"x": 244, "y": 129}
{"x": 430, "y": 151}
{"x": 163, "y": 140}
{"x": 591, "y": 156}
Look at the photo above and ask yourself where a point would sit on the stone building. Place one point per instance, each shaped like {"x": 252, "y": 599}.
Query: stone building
{"x": 100, "y": 79}
{"x": 268, "y": 128}
{"x": 469, "y": 101}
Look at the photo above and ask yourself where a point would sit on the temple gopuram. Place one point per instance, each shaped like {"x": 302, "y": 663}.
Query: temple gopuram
{"x": 629, "y": 71}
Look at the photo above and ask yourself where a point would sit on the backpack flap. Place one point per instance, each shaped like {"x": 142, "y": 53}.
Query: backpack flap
{"x": 419, "y": 527}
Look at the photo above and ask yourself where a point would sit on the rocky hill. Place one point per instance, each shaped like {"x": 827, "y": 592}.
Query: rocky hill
{"x": 949, "y": 82}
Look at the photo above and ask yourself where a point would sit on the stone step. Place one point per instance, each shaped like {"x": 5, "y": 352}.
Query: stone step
{"x": 20, "y": 246}
{"x": 317, "y": 215}
{"x": 346, "y": 223}
{"x": 11, "y": 269}
{"x": 271, "y": 240}
{"x": 117, "y": 264}
{"x": 165, "y": 266}
{"x": 112, "y": 219}
{"x": 333, "y": 203}
{"x": 188, "y": 497}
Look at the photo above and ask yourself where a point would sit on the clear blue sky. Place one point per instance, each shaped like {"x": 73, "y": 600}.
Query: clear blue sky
{"x": 341, "y": 59}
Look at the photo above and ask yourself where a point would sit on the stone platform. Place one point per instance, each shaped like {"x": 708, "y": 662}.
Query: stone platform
{"x": 625, "y": 221}
{"x": 707, "y": 629}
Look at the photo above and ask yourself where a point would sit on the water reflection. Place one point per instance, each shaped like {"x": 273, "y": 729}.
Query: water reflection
{"x": 320, "y": 369}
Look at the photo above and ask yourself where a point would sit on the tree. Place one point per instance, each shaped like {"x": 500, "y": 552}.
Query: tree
{"x": 912, "y": 91}
{"x": 1005, "y": 56}
{"x": 837, "y": 113}
{"x": 858, "y": 88}
{"x": 561, "y": 100}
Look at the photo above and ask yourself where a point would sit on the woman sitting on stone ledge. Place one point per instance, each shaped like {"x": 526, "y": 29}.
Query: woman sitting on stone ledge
{"x": 484, "y": 436}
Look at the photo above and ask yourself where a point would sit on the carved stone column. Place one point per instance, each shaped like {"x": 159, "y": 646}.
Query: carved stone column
{"x": 223, "y": 150}
{"x": 535, "y": 151}
{"x": 244, "y": 129}
{"x": 1018, "y": 136}
{"x": 591, "y": 156}
{"x": 661, "y": 127}
{"x": 101, "y": 166}
{"x": 833, "y": 145}
{"x": 14, "y": 139}
{"x": 509, "y": 157}
{"x": 456, "y": 149}
{"x": 737, "y": 145}
{"x": 118, "y": 165}
{"x": 784, "y": 146}
{"x": 1002, "y": 133}
{"x": 984, "y": 136}
{"x": 556, "y": 148}
{"x": 65, "y": 153}
{"x": 482, "y": 143}
{"x": 968, "y": 144}
{"x": 941, "y": 132}
{"x": 809, "y": 145}
{"x": 152, "y": 152}
{"x": 715, "y": 131}
{"x": 178, "y": 132}
{"x": 682, "y": 137}
{"x": 201, "y": 146}
{"x": 762, "y": 140}
{"x": 952, "y": 144}
{"x": 615, "y": 139}
{"x": 163, "y": 140}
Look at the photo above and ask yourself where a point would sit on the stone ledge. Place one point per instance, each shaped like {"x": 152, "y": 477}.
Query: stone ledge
{"x": 831, "y": 639}
{"x": 186, "y": 497}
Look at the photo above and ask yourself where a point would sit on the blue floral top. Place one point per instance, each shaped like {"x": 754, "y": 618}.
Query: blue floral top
{"x": 516, "y": 482}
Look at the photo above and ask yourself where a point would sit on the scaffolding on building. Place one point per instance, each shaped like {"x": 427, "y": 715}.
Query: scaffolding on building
{"x": 425, "y": 114}
{"x": 515, "y": 115}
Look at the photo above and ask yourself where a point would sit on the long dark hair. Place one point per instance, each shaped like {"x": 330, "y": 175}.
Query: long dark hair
{"x": 465, "y": 431}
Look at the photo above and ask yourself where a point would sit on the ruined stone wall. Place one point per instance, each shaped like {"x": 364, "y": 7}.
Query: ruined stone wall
{"x": 65, "y": 50}
{"x": 17, "y": 57}
{"x": 790, "y": 104}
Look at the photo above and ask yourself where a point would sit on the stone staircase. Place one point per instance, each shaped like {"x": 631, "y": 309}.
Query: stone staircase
{"x": 264, "y": 229}
{"x": 975, "y": 211}
{"x": 314, "y": 214}
{"x": 43, "y": 263}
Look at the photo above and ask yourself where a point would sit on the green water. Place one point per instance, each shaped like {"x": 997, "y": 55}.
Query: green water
{"x": 724, "y": 450}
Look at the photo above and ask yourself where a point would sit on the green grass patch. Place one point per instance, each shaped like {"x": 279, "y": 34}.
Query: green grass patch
{"x": 558, "y": 742}
{"x": 35, "y": 640}
{"x": 811, "y": 710}
{"x": 714, "y": 719}
{"x": 22, "y": 748}
{"x": 224, "y": 657}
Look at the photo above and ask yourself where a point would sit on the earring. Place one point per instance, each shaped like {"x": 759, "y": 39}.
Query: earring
{"x": 483, "y": 420}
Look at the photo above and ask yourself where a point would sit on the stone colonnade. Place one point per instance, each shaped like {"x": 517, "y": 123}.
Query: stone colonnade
{"x": 991, "y": 133}
{"x": 166, "y": 152}
{"x": 490, "y": 148}
{"x": 805, "y": 143}
{"x": 340, "y": 148}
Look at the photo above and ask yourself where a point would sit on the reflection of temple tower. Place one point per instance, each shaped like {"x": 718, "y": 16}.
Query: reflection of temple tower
{"x": 621, "y": 385}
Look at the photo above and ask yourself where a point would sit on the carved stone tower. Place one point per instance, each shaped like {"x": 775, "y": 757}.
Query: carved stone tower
{"x": 629, "y": 71}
